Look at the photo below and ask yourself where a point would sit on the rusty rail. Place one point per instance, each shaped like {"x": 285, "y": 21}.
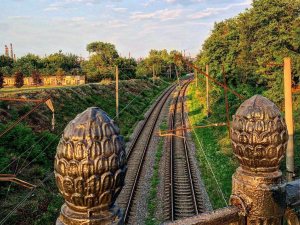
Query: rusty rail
{"x": 136, "y": 179}
{"x": 176, "y": 208}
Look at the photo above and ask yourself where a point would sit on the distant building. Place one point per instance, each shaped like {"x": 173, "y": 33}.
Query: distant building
{"x": 48, "y": 80}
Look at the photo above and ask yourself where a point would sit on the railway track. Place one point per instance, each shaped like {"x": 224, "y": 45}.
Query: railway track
{"x": 183, "y": 197}
{"x": 136, "y": 156}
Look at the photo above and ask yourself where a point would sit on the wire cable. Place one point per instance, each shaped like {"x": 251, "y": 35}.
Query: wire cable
{"x": 24, "y": 199}
{"x": 201, "y": 147}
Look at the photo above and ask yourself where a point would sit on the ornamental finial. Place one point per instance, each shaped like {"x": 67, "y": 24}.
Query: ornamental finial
{"x": 259, "y": 135}
{"x": 90, "y": 167}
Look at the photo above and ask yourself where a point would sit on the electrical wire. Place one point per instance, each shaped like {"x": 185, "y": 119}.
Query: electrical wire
{"x": 201, "y": 147}
{"x": 24, "y": 199}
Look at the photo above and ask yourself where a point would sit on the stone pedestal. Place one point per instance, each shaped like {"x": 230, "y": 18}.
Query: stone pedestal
{"x": 113, "y": 216}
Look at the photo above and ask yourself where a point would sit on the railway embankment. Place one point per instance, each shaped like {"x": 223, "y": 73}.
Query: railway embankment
{"x": 29, "y": 148}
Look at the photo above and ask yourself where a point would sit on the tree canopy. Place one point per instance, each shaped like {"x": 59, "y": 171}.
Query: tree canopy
{"x": 265, "y": 33}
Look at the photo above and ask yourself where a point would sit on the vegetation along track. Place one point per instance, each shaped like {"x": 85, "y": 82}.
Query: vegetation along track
{"x": 183, "y": 197}
{"x": 136, "y": 156}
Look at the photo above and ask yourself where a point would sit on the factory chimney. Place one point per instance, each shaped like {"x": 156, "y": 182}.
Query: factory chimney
{"x": 6, "y": 50}
{"x": 11, "y": 51}
{"x": 15, "y": 57}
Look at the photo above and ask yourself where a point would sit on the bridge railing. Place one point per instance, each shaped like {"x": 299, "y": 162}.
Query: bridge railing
{"x": 90, "y": 167}
{"x": 260, "y": 194}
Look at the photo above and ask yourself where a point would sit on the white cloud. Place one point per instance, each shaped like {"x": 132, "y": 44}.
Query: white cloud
{"x": 142, "y": 16}
{"x": 146, "y": 4}
{"x": 55, "y": 6}
{"x": 97, "y": 24}
{"x": 180, "y": 2}
{"x": 91, "y": 1}
{"x": 215, "y": 11}
{"x": 19, "y": 17}
{"x": 119, "y": 25}
{"x": 163, "y": 15}
{"x": 120, "y": 9}
{"x": 77, "y": 18}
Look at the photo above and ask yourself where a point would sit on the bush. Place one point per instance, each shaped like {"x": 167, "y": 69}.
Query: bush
{"x": 3, "y": 105}
{"x": 24, "y": 110}
{"x": 89, "y": 99}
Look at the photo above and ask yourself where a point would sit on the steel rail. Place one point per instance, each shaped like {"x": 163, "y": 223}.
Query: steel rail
{"x": 186, "y": 152}
{"x": 146, "y": 119}
{"x": 137, "y": 176}
{"x": 186, "y": 158}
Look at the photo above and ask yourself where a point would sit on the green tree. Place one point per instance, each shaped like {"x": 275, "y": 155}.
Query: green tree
{"x": 53, "y": 62}
{"x": 6, "y": 61}
{"x": 27, "y": 63}
{"x": 265, "y": 33}
{"x": 106, "y": 52}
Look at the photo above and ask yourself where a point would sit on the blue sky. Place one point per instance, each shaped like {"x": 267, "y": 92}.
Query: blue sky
{"x": 44, "y": 27}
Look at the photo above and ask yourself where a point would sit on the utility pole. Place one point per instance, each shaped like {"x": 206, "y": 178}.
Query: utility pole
{"x": 226, "y": 101}
{"x": 153, "y": 74}
{"x": 117, "y": 92}
{"x": 196, "y": 76}
{"x": 289, "y": 118}
{"x": 207, "y": 91}
{"x": 177, "y": 73}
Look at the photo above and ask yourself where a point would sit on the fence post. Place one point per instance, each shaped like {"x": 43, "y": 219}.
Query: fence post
{"x": 289, "y": 118}
{"x": 90, "y": 168}
{"x": 259, "y": 141}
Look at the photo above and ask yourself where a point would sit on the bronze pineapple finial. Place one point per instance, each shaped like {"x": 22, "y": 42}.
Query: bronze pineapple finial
{"x": 90, "y": 167}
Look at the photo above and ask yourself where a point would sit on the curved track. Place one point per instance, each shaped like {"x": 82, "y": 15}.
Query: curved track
{"x": 136, "y": 157}
{"x": 183, "y": 197}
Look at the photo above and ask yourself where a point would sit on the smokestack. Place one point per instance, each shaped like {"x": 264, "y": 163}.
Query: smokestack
{"x": 45, "y": 55}
{"x": 129, "y": 55}
{"x": 14, "y": 56}
{"x": 6, "y": 50}
{"x": 184, "y": 54}
{"x": 11, "y": 51}
{"x": 189, "y": 55}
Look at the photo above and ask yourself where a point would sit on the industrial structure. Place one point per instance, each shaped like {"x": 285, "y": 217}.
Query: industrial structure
{"x": 11, "y": 55}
